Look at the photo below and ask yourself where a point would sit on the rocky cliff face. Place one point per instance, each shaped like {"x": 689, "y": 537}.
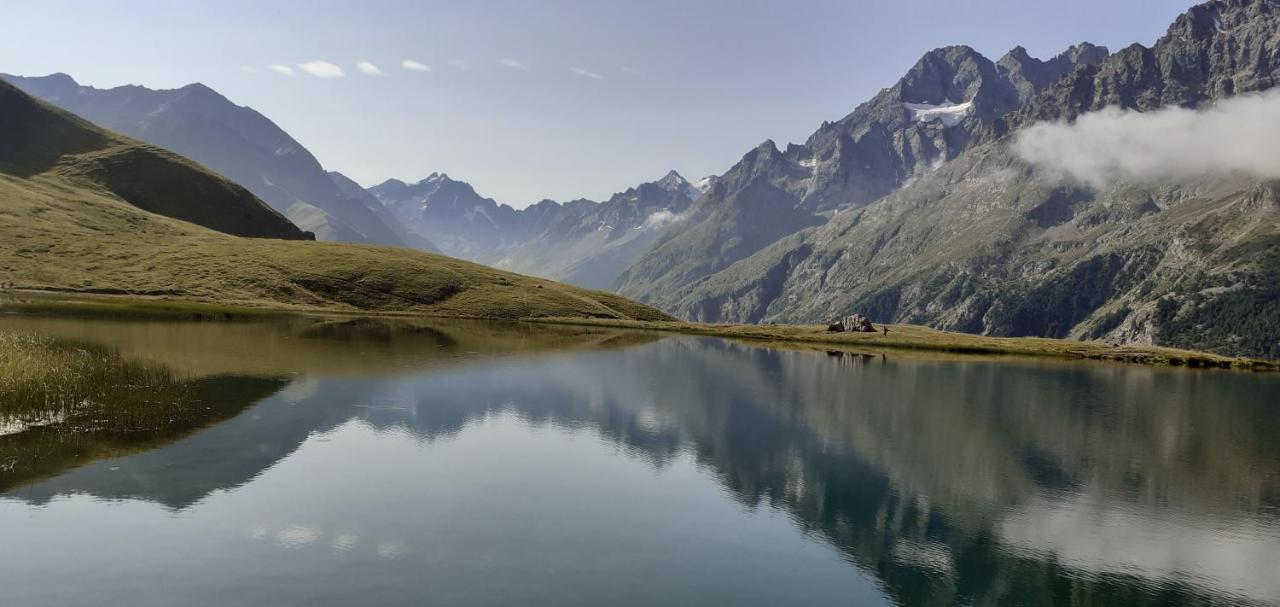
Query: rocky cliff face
{"x": 236, "y": 142}
{"x": 985, "y": 244}
{"x": 951, "y": 99}
{"x": 1214, "y": 50}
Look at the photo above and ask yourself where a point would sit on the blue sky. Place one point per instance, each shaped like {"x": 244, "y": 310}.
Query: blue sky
{"x": 543, "y": 99}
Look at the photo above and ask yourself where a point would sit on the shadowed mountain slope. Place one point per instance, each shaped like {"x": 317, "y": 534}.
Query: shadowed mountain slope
{"x": 46, "y": 149}
{"x": 235, "y": 141}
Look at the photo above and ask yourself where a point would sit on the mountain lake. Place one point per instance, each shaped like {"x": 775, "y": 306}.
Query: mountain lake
{"x": 367, "y": 462}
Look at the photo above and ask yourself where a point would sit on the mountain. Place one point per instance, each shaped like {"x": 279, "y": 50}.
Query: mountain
{"x": 986, "y": 243}
{"x": 354, "y": 191}
{"x": 581, "y": 242}
{"x": 590, "y": 244}
{"x": 237, "y": 142}
{"x": 1213, "y": 51}
{"x": 950, "y": 99}
{"x": 84, "y": 210}
{"x": 49, "y": 155}
{"x": 452, "y": 215}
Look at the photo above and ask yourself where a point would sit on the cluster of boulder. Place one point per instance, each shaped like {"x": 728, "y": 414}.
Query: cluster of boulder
{"x": 856, "y": 323}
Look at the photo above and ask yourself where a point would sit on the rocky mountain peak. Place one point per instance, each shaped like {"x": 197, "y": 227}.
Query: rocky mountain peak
{"x": 947, "y": 77}
{"x": 1030, "y": 76}
{"x": 767, "y": 149}
{"x": 951, "y": 74}
{"x": 674, "y": 182}
{"x": 1083, "y": 53}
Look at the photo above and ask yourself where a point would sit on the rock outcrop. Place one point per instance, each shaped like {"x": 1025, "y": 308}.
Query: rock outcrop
{"x": 855, "y": 323}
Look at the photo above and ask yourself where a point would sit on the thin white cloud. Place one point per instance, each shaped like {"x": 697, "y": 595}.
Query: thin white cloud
{"x": 367, "y": 67}
{"x": 660, "y": 219}
{"x": 414, "y": 66}
{"x": 459, "y": 64}
{"x": 630, "y": 70}
{"x": 282, "y": 69}
{"x": 322, "y": 69}
{"x": 1237, "y": 135}
{"x": 512, "y": 63}
{"x": 248, "y": 69}
{"x": 586, "y": 73}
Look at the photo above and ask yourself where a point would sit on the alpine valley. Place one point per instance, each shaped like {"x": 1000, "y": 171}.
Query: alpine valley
{"x": 914, "y": 208}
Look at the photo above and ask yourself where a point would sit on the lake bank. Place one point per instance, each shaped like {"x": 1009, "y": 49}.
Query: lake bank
{"x": 924, "y": 339}
{"x": 900, "y": 337}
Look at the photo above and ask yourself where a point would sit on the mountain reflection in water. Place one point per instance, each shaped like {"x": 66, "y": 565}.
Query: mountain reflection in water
{"x": 935, "y": 481}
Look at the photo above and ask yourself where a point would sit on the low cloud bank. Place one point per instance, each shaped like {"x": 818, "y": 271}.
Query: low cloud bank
{"x": 1238, "y": 135}
{"x": 660, "y": 219}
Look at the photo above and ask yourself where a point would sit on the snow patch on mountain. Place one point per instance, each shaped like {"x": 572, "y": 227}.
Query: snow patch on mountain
{"x": 949, "y": 114}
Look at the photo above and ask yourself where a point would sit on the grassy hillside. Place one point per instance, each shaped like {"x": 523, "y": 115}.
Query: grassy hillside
{"x": 64, "y": 238}
{"x": 85, "y": 210}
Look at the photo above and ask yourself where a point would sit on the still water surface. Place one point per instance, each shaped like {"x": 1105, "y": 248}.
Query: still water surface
{"x": 476, "y": 464}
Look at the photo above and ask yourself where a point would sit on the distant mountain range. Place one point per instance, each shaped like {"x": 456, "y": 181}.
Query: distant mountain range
{"x": 237, "y": 142}
{"x": 581, "y": 242}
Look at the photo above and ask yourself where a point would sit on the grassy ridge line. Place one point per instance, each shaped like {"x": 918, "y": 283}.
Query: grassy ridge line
{"x": 911, "y": 337}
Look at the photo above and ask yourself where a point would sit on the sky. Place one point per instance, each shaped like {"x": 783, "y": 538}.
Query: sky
{"x": 556, "y": 99}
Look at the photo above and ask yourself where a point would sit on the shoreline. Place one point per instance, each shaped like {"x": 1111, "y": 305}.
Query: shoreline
{"x": 900, "y": 337}
{"x": 923, "y": 339}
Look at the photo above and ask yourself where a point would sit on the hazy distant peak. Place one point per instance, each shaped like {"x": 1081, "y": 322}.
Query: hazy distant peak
{"x": 199, "y": 88}
{"x": 439, "y": 178}
{"x": 60, "y": 78}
